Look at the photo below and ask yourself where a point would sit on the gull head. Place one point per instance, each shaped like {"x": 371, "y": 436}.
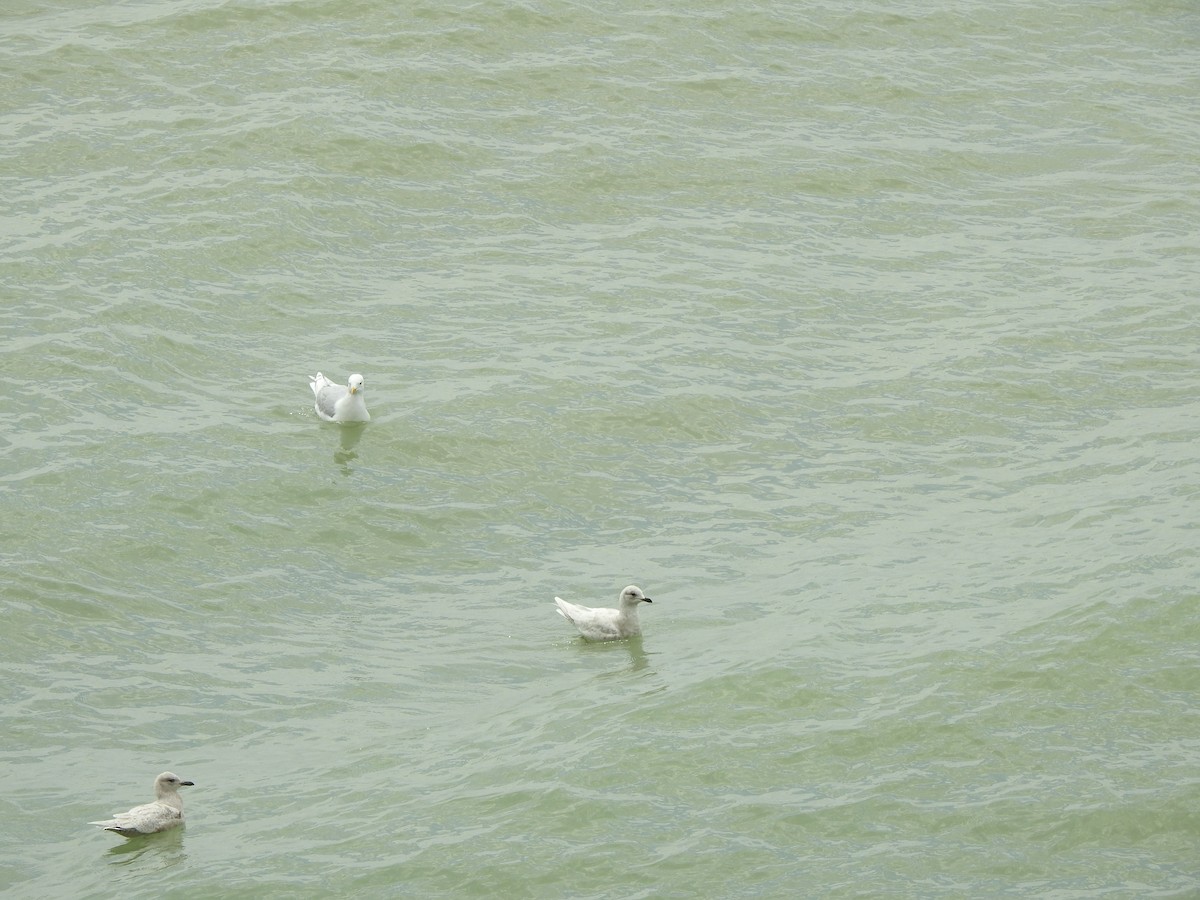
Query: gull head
{"x": 355, "y": 384}
{"x": 169, "y": 783}
{"x": 632, "y": 596}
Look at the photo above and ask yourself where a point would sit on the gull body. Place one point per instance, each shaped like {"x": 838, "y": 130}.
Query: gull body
{"x": 601, "y": 624}
{"x": 338, "y": 403}
{"x": 164, "y": 813}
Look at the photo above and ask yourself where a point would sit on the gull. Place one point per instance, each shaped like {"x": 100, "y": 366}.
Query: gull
{"x": 165, "y": 812}
{"x": 606, "y": 624}
{"x": 340, "y": 404}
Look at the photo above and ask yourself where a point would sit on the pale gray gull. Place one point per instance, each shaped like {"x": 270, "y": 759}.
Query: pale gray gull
{"x": 337, "y": 403}
{"x": 164, "y": 813}
{"x": 606, "y": 624}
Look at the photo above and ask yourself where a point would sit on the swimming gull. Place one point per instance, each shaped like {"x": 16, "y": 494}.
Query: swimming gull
{"x": 165, "y": 812}
{"x": 606, "y": 624}
{"x": 336, "y": 403}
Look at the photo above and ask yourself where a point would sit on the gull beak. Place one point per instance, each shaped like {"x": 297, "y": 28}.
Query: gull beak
{"x": 647, "y": 600}
{"x": 353, "y": 389}
{"x": 187, "y": 784}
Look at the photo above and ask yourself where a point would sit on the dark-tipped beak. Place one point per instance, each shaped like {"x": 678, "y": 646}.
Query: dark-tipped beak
{"x": 647, "y": 599}
{"x": 187, "y": 784}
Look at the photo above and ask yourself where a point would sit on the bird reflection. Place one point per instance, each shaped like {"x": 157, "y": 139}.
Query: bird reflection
{"x": 639, "y": 660}
{"x": 160, "y": 851}
{"x": 346, "y": 454}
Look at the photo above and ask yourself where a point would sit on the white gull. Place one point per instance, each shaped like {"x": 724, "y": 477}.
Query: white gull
{"x": 165, "y": 812}
{"x": 337, "y": 403}
{"x": 606, "y": 624}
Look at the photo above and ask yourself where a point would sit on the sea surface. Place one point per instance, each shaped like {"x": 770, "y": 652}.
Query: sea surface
{"x": 863, "y": 336}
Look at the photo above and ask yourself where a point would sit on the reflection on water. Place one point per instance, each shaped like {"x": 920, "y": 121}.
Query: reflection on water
{"x": 160, "y": 851}
{"x": 639, "y": 660}
{"x": 345, "y": 454}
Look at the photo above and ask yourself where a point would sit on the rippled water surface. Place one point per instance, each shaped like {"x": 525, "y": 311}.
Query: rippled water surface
{"x": 862, "y": 336}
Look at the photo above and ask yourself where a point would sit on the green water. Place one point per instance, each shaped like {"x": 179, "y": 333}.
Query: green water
{"x": 863, "y": 337}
